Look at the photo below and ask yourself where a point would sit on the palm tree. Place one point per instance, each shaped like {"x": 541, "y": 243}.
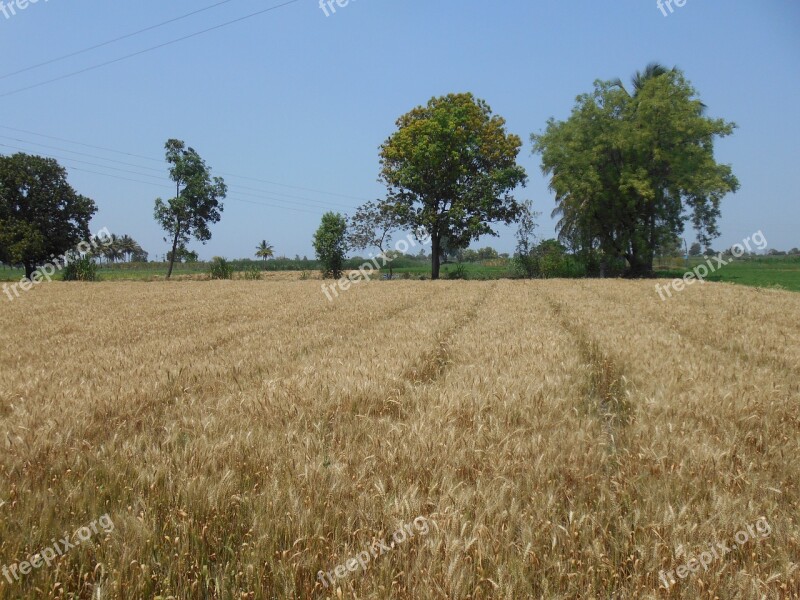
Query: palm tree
{"x": 112, "y": 250}
{"x": 127, "y": 246}
{"x": 651, "y": 71}
{"x": 639, "y": 80}
{"x": 265, "y": 250}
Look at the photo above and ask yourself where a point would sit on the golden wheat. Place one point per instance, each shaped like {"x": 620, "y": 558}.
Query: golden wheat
{"x": 563, "y": 439}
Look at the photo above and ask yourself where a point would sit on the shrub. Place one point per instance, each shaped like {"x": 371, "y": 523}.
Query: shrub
{"x": 458, "y": 272}
{"x": 527, "y": 265}
{"x": 221, "y": 268}
{"x": 252, "y": 273}
{"x": 80, "y": 269}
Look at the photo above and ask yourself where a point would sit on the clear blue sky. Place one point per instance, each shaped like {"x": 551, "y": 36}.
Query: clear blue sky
{"x": 300, "y": 99}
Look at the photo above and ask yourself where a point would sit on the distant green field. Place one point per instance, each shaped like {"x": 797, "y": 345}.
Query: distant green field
{"x": 473, "y": 271}
{"x": 773, "y": 271}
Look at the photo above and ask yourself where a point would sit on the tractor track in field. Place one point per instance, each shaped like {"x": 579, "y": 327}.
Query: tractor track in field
{"x": 435, "y": 360}
{"x": 607, "y": 393}
{"x": 432, "y": 364}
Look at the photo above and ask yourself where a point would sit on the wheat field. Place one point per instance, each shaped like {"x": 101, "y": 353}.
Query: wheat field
{"x": 559, "y": 439}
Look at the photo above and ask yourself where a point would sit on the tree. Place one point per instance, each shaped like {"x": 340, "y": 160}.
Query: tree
{"x": 669, "y": 246}
{"x": 330, "y": 244}
{"x": 551, "y": 258}
{"x": 264, "y": 250}
{"x": 139, "y": 256}
{"x": 487, "y": 253}
{"x": 129, "y": 247}
{"x": 469, "y": 256}
{"x": 41, "y": 215}
{"x": 450, "y": 250}
{"x": 372, "y": 226}
{"x": 695, "y": 249}
{"x": 112, "y": 249}
{"x": 450, "y": 169}
{"x": 629, "y": 171}
{"x": 183, "y": 255}
{"x": 525, "y": 259}
{"x": 196, "y": 204}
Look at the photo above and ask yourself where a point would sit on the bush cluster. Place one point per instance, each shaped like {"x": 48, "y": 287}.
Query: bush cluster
{"x": 221, "y": 268}
{"x": 80, "y": 269}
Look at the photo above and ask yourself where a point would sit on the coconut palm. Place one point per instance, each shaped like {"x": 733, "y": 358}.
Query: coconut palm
{"x": 112, "y": 250}
{"x": 265, "y": 250}
{"x": 127, "y": 246}
{"x": 639, "y": 80}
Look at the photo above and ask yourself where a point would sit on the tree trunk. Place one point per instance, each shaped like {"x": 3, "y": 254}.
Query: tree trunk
{"x": 435, "y": 258}
{"x": 639, "y": 266}
{"x": 29, "y": 269}
{"x": 388, "y": 262}
{"x": 174, "y": 251}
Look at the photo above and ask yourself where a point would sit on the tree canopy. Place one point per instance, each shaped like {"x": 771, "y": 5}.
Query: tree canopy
{"x": 450, "y": 169}
{"x": 265, "y": 250}
{"x": 630, "y": 170}
{"x": 372, "y": 226}
{"x": 196, "y": 204}
{"x": 330, "y": 244}
{"x": 41, "y": 215}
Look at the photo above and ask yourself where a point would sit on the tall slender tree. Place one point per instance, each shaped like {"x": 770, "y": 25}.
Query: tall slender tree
{"x": 197, "y": 202}
{"x": 264, "y": 250}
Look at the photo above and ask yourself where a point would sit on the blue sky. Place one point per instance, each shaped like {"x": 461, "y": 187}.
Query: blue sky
{"x": 299, "y": 102}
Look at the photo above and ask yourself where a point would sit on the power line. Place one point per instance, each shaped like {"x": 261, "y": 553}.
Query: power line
{"x": 116, "y": 39}
{"x": 295, "y": 187}
{"x": 51, "y": 137}
{"x": 150, "y": 49}
{"x": 161, "y": 161}
{"x": 279, "y": 196}
{"x": 120, "y": 162}
{"x": 165, "y": 186}
{"x": 274, "y": 198}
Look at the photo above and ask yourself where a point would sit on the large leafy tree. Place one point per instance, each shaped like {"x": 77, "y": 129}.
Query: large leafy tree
{"x": 330, "y": 244}
{"x": 450, "y": 169}
{"x": 630, "y": 170}
{"x": 41, "y": 215}
{"x": 196, "y": 204}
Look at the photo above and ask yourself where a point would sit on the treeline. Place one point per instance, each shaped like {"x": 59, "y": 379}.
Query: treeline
{"x": 632, "y": 168}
